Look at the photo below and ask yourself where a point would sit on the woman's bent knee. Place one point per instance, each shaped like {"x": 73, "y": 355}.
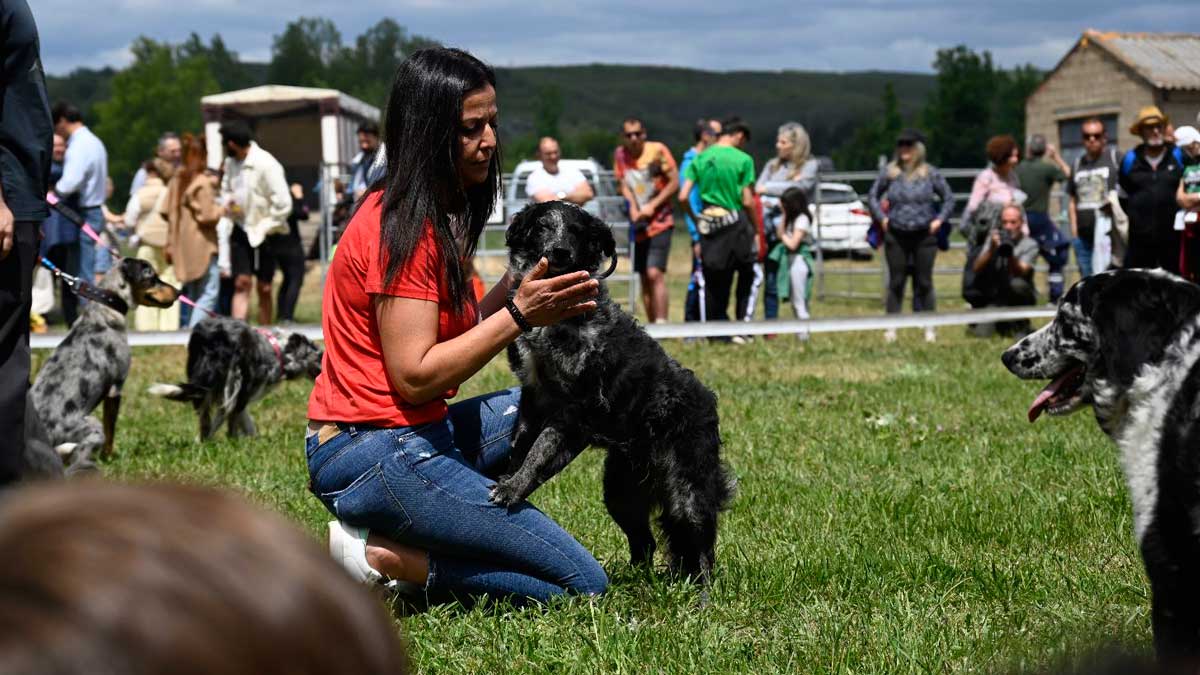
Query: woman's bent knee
{"x": 591, "y": 582}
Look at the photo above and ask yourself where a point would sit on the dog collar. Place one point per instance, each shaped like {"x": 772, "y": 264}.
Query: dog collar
{"x": 104, "y": 297}
{"x": 612, "y": 267}
{"x": 274, "y": 341}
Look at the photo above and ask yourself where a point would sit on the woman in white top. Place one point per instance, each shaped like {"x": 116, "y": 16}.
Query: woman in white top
{"x": 793, "y": 167}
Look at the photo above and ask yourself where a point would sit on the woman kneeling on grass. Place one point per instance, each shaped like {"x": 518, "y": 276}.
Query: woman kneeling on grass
{"x": 408, "y": 476}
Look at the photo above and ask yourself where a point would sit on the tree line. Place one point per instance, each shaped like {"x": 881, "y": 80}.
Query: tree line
{"x": 853, "y": 117}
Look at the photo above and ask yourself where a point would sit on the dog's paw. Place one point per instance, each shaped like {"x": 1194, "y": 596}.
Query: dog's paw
{"x": 506, "y": 493}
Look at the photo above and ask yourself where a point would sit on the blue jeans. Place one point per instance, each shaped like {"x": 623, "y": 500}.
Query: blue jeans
{"x": 1053, "y": 246}
{"x": 770, "y": 290}
{"x": 93, "y": 259}
{"x": 428, "y": 487}
{"x": 1083, "y": 256}
{"x": 203, "y": 292}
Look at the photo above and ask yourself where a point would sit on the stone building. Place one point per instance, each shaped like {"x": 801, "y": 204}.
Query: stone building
{"x": 1111, "y": 76}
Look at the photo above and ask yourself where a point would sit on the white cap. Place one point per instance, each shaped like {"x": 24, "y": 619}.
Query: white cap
{"x": 1185, "y": 136}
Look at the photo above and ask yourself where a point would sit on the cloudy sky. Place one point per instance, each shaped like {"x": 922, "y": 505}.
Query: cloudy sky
{"x": 797, "y": 34}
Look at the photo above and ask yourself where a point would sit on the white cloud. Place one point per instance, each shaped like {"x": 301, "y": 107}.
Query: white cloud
{"x": 767, "y": 35}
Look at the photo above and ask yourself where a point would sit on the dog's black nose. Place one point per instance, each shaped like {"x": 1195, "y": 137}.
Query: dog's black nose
{"x": 560, "y": 256}
{"x": 1009, "y": 358}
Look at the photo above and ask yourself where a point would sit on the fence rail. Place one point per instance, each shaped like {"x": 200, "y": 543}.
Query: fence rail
{"x": 667, "y": 331}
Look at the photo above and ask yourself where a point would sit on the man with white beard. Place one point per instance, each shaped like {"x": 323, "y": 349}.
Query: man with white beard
{"x": 1150, "y": 175}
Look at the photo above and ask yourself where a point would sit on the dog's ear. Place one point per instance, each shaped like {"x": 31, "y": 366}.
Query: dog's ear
{"x": 130, "y": 268}
{"x": 608, "y": 244}
{"x": 516, "y": 237}
{"x": 1136, "y": 315}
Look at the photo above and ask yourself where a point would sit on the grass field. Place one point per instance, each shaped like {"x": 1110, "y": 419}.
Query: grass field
{"x": 895, "y": 514}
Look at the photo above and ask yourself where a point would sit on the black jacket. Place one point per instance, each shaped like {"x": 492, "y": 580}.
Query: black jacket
{"x": 1149, "y": 199}
{"x": 26, "y": 133}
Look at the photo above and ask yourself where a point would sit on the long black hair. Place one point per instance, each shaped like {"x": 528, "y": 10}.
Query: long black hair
{"x": 422, "y": 184}
{"x": 793, "y": 202}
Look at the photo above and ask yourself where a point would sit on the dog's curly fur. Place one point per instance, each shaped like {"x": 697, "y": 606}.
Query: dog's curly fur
{"x": 601, "y": 380}
{"x": 1127, "y": 343}
{"x": 90, "y": 366}
{"x": 231, "y": 365}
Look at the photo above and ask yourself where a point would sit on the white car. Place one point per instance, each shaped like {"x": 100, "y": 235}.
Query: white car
{"x": 844, "y": 220}
{"x": 606, "y": 205}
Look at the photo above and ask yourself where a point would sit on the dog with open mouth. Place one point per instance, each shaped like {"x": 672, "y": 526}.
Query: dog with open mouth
{"x": 1127, "y": 343}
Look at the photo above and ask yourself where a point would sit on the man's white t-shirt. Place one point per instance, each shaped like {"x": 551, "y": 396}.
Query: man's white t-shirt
{"x": 541, "y": 180}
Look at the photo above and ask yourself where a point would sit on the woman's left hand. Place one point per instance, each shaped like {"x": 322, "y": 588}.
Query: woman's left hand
{"x": 934, "y": 226}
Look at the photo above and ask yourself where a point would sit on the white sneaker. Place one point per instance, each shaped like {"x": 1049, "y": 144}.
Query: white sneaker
{"x": 930, "y": 334}
{"x": 348, "y": 546}
{"x": 889, "y": 335}
{"x": 738, "y": 340}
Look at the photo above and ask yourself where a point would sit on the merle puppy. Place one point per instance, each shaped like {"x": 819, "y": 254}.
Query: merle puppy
{"x": 91, "y": 363}
{"x": 231, "y": 365}
{"x": 599, "y": 379}
{"x": 1127, "y": 343}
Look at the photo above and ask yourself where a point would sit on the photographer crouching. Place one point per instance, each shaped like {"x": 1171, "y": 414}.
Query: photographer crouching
{"x": 999, "y": 271}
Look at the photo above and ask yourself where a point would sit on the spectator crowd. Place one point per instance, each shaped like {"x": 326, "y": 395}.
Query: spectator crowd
{"x": 217, "y": 234}
{"x": 222, "y": 235}
{"x": 752, "y": 236}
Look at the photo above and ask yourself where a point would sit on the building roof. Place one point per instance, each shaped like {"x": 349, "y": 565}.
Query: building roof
{"x": 1165, "y": 60}
{"x": 271, "y": 99}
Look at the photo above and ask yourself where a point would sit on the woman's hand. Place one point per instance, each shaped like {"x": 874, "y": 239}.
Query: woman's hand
{"x": 883, "y": 225}
{"x": 547, "y": 301}
{"x": 935, "y": 225}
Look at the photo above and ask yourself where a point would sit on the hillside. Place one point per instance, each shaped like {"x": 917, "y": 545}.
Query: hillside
{"x": 595, "y": 98}
{"x": 830, "y": 105}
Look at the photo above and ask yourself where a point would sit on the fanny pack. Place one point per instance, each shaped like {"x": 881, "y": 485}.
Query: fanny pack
{"x": 713, "y": 219}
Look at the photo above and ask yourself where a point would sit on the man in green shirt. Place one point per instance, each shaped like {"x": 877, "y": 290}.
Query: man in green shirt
{"x": 724, "y": 175}
{"x": 1037, "y": 176}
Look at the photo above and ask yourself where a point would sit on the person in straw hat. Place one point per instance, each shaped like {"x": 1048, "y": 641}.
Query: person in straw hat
{"x": 1149, "y": 175}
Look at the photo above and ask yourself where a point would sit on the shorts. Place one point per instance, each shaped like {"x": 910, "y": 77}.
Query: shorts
{"x": 278, "y": 252}
{"x": 652, "y": 252}
{"x": 241, "y": 253}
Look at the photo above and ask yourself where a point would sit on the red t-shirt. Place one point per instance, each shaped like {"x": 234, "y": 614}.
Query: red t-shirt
{"x": 353, "y": 385}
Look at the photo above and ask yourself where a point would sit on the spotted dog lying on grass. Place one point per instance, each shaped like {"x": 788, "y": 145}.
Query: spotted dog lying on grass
{"x": 1127, "y": 343}
{"x": 599, "y": 379}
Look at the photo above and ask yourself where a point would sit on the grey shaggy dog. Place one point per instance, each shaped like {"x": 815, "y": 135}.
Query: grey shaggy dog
{"x": 90, "y": 365}
{"x": 599, "y": 379}
{"x": 231, "y": 365}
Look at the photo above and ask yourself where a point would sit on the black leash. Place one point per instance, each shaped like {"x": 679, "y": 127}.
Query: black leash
{"x": 87, "y": 290}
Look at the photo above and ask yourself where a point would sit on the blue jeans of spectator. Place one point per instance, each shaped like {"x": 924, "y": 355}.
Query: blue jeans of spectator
{"x": 770, "y": 290}
{"x": 93, "y": 259}
{"x": 428, "y": 487}
{"x": 203, "y": 292}
{"x": 1083, "y": 256}
{"x": 1053, "y": 246}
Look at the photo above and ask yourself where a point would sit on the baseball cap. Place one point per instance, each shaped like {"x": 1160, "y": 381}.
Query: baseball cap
{"x": 1185, "y": 136}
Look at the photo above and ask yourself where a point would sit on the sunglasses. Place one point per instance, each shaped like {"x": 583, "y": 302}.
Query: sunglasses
{"x": 1093, "y": 137}
{"x": 904, "y": 144}
{"x": 634, "y": 134}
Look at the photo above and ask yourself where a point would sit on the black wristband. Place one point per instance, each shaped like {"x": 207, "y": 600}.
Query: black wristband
{"x": 517, "y": 316}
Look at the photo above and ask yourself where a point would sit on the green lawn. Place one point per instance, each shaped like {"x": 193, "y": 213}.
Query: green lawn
{"x": 895, "y": 514}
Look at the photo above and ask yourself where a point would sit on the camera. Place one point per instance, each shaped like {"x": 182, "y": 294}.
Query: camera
{"x": 1005, "y": 248}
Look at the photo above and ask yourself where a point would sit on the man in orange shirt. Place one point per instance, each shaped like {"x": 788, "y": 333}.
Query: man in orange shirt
{"x": 648, "y": 177}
